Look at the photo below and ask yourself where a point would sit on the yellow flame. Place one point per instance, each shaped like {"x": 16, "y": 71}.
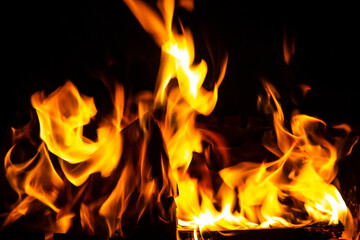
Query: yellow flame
{"x": 292, "y": 191}
{"x": 45, "y": 187}
{"x": 62, "y": 116}
{"x": 303, "y": 173}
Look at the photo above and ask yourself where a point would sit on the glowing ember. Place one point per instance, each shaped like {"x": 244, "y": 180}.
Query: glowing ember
{"x": 295, "y": 190}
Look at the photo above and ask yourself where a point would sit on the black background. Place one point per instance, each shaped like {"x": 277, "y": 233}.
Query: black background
{"x": 49, "y": 42}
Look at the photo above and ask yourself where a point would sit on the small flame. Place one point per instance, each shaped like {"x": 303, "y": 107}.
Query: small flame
{"x": 304, "y": 89}
{"x": 288, "y": 47}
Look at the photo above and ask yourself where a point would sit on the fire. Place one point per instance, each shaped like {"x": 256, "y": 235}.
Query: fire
{"x": 62, "y": 116}
{"x": 303, "y": 173}
{"x": 288, "y": 48}
{"x": 294, "y": 190}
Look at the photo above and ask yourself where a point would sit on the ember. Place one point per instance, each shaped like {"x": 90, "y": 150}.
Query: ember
{"x": 160, "y": 164}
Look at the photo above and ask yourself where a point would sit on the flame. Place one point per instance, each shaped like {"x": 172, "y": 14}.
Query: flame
{"x": 138, "y": 172}
{"x": 288, "y": 48}
{"x": 303, "y": 172}
{"x": 62, "y": 116}
{"x": 304, "y": 89}
{"x": 44, "y": 187}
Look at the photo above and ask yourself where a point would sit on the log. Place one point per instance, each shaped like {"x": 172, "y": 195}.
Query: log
{"x": 318, "y": 231}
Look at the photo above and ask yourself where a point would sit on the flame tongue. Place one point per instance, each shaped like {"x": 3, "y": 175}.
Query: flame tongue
{"x": 62, "y": 116}
{"x": 302, "y": 174}
{"x": 144, "y": 181}
{"x": 292, "y": 191}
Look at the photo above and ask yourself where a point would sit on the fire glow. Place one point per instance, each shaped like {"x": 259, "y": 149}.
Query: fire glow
{"x": 295, "y": 190}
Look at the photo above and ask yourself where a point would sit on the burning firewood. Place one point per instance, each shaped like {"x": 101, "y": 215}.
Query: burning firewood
{"x": 133, "y": 175}
{"x": 318, "y": 231}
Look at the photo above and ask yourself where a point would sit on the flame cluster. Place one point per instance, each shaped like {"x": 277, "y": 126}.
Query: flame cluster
{"x": 292, "y": 191}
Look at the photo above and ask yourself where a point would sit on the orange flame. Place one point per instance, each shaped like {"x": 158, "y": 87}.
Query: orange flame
{"x": 294, "y": 190}
{"x": 62, "y": 116}
{"x": 288, "y": 48}
{"x": 303, "y": 172}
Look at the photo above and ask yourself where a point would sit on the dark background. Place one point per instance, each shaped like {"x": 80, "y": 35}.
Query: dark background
{"x": 47, "y": 42}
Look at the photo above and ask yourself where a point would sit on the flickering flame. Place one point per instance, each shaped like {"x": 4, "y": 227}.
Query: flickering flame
{"x": 62, "y": 116}
{"x": 288, "y": 47}
{"x": 294, "y": 190}
{"x": 45, "y": 187}
{"x": 303, "y": 173}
